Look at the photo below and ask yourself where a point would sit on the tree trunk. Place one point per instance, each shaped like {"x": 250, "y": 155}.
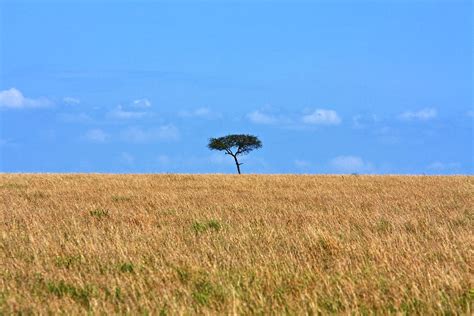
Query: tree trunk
{"x": 237, "y": 164}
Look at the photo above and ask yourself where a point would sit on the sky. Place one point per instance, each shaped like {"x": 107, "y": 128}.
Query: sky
{"x": 368, "y": 87}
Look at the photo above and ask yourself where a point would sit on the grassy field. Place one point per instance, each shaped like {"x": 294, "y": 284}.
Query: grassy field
{"x": 225, "y": 244}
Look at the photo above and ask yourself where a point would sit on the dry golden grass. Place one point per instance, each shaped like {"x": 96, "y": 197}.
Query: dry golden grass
{"x": 224, "y": 244}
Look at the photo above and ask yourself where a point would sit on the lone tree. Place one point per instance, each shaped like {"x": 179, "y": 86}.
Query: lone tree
{"x": 235, "y": 145}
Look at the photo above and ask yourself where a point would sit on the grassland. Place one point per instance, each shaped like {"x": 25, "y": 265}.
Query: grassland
{"x": 224, "y": 244}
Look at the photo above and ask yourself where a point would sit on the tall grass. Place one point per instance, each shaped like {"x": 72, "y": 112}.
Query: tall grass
{"x": 224, "y": 244}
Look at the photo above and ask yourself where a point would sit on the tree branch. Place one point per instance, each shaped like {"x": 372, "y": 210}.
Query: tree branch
{"x": 238, "y": 150}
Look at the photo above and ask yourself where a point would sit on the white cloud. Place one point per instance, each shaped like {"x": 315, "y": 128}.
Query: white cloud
{"x": 440, "y": 166}
{"x": 121, "y": 114}
{"x": 322, "y": 117}
{"x": 360, "y": 121}
{"x": 141, "y": 103}
{"x": 162, "y": 133}
{"x": 96, "y": 135}
{"x": 302, "y": 164}
{"x": 421, "y": 115}
{"x": 260, "y": 117}
{"x": 202, "y": 112}
{"x": 350, "y": 164}
{"x": 14, "y": 99}
{"x": 71, "y": 100}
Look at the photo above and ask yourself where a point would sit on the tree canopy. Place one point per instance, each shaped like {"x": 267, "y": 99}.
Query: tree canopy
{"x": 235, "y": 145}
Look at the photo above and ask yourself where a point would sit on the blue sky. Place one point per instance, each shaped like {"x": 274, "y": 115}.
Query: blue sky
{"x": 328, "y": 86}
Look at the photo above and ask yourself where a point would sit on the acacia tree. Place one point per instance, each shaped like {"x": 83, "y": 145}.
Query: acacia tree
{"x": 235, "y": 145}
